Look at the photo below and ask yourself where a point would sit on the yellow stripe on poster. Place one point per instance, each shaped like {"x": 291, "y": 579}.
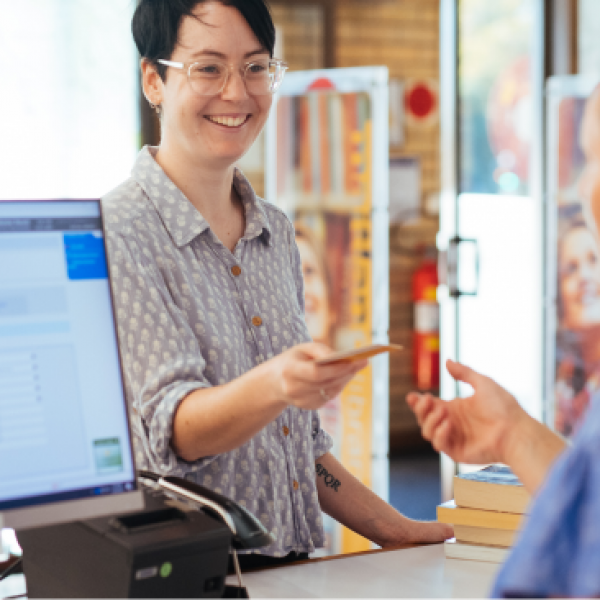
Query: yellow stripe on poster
{"x": 356, "y": 447}
{"x": 365, "y": 177}
{"x": 357, "y": 397}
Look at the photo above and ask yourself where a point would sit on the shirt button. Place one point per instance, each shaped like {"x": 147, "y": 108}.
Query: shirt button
{"x": 286, "y": 431}
{"x": 236, "y": 271}
{"x": 256, "y": 321}
{"x": 295, "y": 484}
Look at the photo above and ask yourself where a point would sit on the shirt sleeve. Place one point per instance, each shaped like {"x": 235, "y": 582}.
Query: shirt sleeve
{"x": 162, "y": 361}
{"x": 558, "y": 551}
{"x": 322, "y": 441}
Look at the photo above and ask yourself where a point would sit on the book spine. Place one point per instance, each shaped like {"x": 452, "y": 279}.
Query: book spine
{"x": 336, "y": 137}
{"x": 325, "y": 144}
{"x": 304, "y": 145}
{"x": 350, "y": 131}
{"x": 315, "y": 145}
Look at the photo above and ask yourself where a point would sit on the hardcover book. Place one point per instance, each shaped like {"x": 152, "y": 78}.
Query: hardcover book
{"x": 493, "y": 554}
{"x": 490, "y": 519}
{"x": 493, "y": 488}
{"x": 484, "y": 535}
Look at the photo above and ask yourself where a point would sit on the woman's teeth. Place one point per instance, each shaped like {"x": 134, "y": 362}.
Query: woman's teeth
{"x": 228, "y": 121}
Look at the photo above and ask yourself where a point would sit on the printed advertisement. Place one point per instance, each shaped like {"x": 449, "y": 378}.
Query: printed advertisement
{"x": 324, "y": 184}
{"x": 577, "y": 351}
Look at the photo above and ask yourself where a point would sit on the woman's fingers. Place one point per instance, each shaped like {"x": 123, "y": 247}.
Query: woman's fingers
{"x": 311, "y": 373}
{"x": 303, "y": 379}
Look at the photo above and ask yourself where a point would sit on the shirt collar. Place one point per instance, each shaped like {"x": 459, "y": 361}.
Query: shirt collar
{"x": 181, "y": 219}
{"x": 257, "y": 222}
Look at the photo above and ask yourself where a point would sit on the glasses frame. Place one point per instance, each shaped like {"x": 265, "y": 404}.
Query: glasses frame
{"x": 280, "y": 64}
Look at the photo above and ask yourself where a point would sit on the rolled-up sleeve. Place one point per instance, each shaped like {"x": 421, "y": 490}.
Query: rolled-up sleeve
{"x": 162, "y": 361}
{"x": 322, "y": 441}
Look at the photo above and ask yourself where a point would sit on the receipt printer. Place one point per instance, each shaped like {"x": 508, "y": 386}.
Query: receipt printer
{"x": 160, "y": 552}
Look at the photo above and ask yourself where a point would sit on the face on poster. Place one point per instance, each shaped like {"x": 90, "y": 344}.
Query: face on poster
{"x": 577, "y": 368}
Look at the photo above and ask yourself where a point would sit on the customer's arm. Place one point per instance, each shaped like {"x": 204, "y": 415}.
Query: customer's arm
{"x": 346, "y": 499}
{"x": 487, "y": 427}
{"x": 219, "y": 419}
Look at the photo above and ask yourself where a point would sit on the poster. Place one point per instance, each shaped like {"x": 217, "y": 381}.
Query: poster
{"x": 576, "y": 264}
{"x": 324, "y": 155}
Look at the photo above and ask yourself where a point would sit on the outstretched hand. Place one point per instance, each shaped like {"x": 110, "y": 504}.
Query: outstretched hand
{"x": 476, "y": 429}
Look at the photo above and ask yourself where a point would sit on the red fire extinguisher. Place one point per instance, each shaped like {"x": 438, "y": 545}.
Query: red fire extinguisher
{"x": 426, "y": 335}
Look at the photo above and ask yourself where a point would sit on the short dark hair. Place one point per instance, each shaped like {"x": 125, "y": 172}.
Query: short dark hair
{"x": 155, "y": 25}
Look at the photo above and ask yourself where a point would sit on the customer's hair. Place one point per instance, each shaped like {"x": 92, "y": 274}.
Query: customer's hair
{"x": 155, "y": 25}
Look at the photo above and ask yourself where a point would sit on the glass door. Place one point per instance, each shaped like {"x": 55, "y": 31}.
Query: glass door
{"x": 491, "y": 229}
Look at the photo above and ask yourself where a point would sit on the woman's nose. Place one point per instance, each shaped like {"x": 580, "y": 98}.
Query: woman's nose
{"x": 235, "y": 87}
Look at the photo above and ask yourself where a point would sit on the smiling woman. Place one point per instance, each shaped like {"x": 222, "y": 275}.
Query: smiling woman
{"x": 219, "y": 366}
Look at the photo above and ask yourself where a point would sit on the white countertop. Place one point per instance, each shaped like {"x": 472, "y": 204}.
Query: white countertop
{"x": 422, "y": 571}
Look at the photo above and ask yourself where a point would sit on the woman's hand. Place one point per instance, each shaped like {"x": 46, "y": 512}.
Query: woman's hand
{"x": 298, "y": 380}
{"x": 476, "y": 429}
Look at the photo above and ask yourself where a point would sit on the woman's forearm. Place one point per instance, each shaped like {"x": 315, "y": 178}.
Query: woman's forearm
{"x": 347, "y": 500}
{"x": 219, "y": 419}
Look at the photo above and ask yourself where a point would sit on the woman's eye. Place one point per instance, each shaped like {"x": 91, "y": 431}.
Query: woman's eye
{"x": 207, "y": 70}
{"x": 257, "y": 68}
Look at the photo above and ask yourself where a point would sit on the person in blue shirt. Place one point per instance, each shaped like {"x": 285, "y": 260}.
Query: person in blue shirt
{"x": 558, "y": 551}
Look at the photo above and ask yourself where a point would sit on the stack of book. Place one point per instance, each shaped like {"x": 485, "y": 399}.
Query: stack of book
{"x": 486, "y": 514}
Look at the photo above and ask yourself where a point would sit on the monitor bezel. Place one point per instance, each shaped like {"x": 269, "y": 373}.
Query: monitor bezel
{"x": 60, "y": 511}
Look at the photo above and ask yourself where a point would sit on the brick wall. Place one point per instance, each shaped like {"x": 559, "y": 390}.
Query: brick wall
{"x": 404, "y": 35}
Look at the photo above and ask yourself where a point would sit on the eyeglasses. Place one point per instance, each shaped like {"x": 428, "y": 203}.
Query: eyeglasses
{"x": 209, "y": 78}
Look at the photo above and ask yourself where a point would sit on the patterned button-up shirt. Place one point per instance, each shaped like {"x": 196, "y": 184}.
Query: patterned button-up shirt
{"x": 187, "y": 311}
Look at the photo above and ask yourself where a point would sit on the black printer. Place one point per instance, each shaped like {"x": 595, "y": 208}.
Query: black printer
{"x": 160, "y": 552}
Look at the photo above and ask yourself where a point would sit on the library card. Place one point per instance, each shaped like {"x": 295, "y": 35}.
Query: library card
{"x": 358, "y": 354}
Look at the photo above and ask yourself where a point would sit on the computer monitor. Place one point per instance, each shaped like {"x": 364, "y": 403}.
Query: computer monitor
{"x": 65, "y": 443}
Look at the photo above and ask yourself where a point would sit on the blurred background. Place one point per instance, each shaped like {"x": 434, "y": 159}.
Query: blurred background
{"x": 437, "y": 201}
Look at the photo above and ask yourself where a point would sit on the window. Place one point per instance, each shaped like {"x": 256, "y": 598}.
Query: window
{"x": 70, "y": 100}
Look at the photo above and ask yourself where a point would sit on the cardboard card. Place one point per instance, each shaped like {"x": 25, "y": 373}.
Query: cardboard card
{"x": 348, "y": 356}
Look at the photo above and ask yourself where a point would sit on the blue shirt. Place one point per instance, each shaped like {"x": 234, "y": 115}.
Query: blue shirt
{"x": 191, "y": 314}
{"x": 558, "y": 551}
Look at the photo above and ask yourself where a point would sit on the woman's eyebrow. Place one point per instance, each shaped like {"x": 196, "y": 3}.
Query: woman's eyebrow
{"x": 217, "y": 54}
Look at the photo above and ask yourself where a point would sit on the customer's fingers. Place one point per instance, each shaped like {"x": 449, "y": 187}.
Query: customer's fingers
{"x": 433, "y": 420}
{"x": 441, "y": 439}
{"x": 421, "y": 406}
{"x": 463, "y": 373}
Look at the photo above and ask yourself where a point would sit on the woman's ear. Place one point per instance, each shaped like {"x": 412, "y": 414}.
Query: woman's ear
{"x": 152, "y": 84}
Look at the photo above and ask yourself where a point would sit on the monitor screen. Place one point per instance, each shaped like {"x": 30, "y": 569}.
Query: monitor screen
{"x": 64, "y": 431}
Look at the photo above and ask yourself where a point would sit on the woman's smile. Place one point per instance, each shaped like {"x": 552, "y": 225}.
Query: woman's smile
{"x": 229, "y": 121}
